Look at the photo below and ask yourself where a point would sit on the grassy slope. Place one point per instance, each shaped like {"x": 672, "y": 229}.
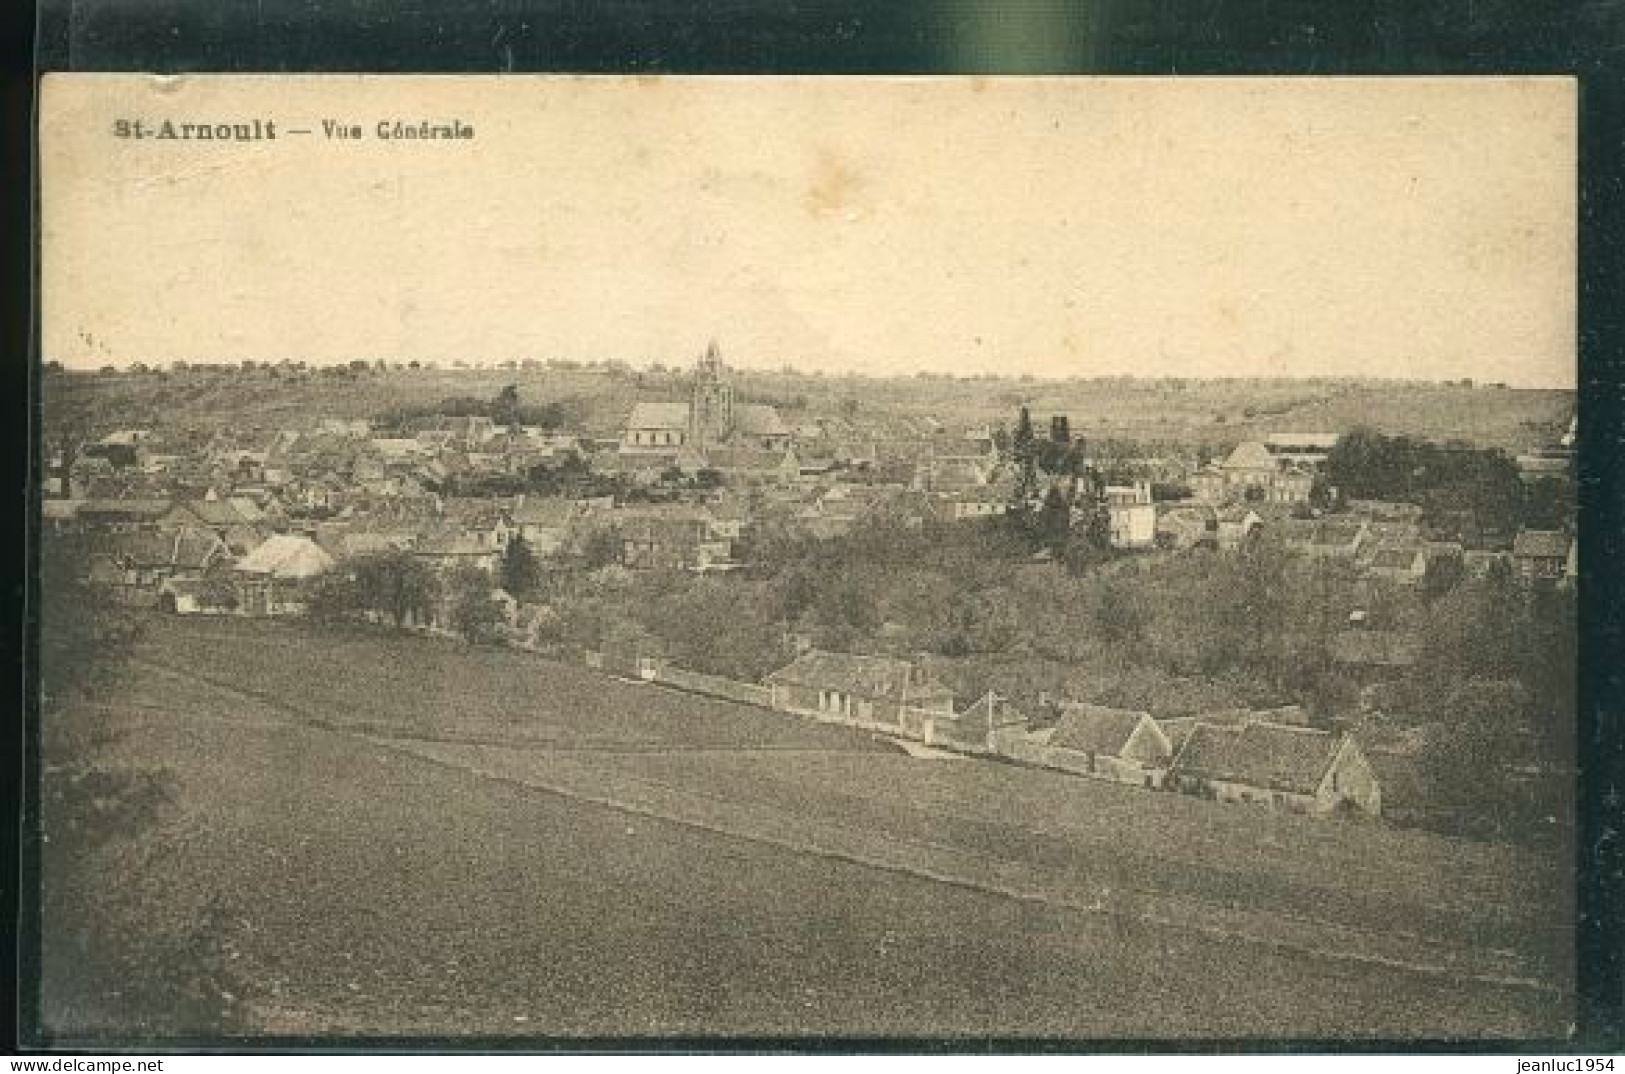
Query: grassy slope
{"x": 381, "y": 893}
{"x": 1126, "y": 839}
{"x": 368, "y": 893}
{"x": 430, "y": 686}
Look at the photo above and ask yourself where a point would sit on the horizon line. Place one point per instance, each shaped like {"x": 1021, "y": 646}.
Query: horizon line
{"x": 648, "y": 365}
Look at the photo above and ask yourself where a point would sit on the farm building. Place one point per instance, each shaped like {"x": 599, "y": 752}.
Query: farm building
{"x": 976, "y": 728}
{"x": 1027, "y": 744}
{"x": 1182, "y": 527}
{"x": 1296, "y": 768}
{"x": 546, "y": 524}
{"x": 115, "y": 515}
{"x": 976, "y": 503}
{"x": 1399, "y": 564}
{"x": 449, "y": 547}
{"x": 1481, "y": 564}
{"x": 214, "y": 595}
{"x": 220, "y": 516}
{"x": 628, "y": 657}
{"x": 870, "y": 689}
{"x": 274, "y": 578}
{"x": 139, "y": 564}
{"x": 667, "y": 537}
{"x": 1177, "y": 729}
{"x": 1338, "y": 538}
{"x": 1107, "y": 743}
{"x": 1539, "y": 555}
{"x": 1295, "y": 715}
{"x": 1235, "y": 527}
{"x": 754, "y": 466}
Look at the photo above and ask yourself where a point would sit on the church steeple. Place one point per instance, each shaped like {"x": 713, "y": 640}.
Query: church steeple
{"x": 711, "y": 409}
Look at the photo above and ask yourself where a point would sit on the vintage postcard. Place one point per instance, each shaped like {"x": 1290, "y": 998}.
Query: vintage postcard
{"x": 553, "y": 558}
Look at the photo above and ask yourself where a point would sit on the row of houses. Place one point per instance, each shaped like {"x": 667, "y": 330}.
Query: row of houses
{"x": 1272, "y": 758}
{"x": 1385, "y": 549}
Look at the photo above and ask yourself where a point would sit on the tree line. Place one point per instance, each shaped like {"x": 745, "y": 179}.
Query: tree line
{"x": 1470, "y": 492}
{"x": 398, "y": 589}
{"x": 504, "y": 409}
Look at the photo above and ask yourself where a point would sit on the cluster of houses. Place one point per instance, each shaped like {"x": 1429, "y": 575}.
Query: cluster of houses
{"x": 680, "y": 486}
{"x": 246, "y": 524}
{"x": 1270, "y": 757}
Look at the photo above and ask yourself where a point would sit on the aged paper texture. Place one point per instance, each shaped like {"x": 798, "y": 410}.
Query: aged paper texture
{"x": 931, "y": 558}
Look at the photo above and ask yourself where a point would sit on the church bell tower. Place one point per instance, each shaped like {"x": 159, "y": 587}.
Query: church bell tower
{"x": 711, "y": 409}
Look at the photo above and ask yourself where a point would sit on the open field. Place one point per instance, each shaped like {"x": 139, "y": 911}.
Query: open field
{"x": 383, "y": 869}
{"x": 411, "y": 685}
{"x": 1126, "y": 843}
{"x": 1213, "y": 412}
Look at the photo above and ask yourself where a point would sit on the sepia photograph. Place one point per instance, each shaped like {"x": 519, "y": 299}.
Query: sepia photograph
{"x": 550, "y": 558}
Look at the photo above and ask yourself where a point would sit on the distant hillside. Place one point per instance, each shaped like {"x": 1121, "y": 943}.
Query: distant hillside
{"x": 1212, "y": 412}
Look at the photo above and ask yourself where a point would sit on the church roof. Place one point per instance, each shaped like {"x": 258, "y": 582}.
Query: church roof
{"x": 658, "y": 416}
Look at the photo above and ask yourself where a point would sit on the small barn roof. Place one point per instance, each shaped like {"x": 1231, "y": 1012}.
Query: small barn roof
{"x": 1541, "y": 544}
{"x": 452, "y": 543}
{"x": 852, "y": 673}
{"x": 215, "y": 512}
{"x": 1338, "y": 531}
{"x": 996, "y": 710}
{"x": 287, "y": 556}
{"x": 1095, "y": 728}
{"x": 1264, "y": 755}
{"x": 1295, "y": 715}
{"x": 1395, "y": 532}
{"x": 1392, "y": 558}
{"x": 1177, "y": 729}
{"x": 145, "y": 549}
{"x": 1295, "y": 532}
{"x": 544, "y": 511}
{"x": 196, "y": 549}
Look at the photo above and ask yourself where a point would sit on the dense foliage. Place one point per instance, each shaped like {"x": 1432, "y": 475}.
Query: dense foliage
{"x": 393, "y": 586}
{"x": 106, "y": 953}
{"x": 505, "y": 409}
{"x": 473, "y": 612}
{"x": 1464, "y": 490}
{"x": 1170, "y": 633}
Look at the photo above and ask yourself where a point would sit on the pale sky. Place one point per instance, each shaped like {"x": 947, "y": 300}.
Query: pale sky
{"x": 1053, "y": 226}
